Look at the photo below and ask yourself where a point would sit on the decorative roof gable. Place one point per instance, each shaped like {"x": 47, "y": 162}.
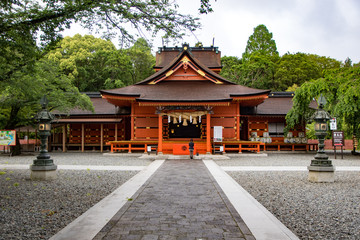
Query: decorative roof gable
{"x": 185, "y": 67}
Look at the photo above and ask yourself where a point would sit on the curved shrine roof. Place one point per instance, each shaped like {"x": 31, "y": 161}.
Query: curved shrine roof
{"x": 170, "y": 91}
{"x": 185, "y": 79}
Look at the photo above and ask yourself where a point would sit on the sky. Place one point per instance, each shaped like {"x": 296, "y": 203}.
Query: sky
{"x": 329, "y": 28}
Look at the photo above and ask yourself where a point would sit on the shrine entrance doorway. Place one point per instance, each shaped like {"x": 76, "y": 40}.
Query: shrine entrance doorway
{"x": 180, "y": 131}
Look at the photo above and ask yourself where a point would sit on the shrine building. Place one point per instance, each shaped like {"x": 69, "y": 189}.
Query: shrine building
{"x": 184, "y": 99}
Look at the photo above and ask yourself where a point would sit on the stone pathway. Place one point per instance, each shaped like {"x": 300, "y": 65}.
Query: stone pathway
{"x": 180, "y": 201}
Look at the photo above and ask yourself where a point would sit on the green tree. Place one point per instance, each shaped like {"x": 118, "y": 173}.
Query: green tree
{"x": 142, "y": 60}
{"x": 90, "y": 62}
{"x": 258, "y": 71}
{"x": 51, "y": 17}
{"x": 19, "y": 101}
{"x": 261, "y": 42}
{"x": 299, "y": 68}
{"x": 341, "y": 87}
{"x": 292, "y": 88}
{"x": 118, "y": 70}
{"x": 231, "y": 68}
{"x": 259, "y": 59}
{"x": 22, "y": 21}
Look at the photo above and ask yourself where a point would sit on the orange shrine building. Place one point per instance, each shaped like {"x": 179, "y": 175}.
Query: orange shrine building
{"x": 184, "y": 99}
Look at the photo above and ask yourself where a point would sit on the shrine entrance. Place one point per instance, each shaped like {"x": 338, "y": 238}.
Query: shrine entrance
{"x": 181, "y": 131}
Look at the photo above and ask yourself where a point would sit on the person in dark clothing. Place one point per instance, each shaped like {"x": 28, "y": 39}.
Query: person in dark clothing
{"x": 191, "y": 148}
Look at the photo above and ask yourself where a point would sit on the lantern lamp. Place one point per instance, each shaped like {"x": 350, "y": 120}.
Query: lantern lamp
{"x": 43, "y": 167}
{"x": 321, "y": 168}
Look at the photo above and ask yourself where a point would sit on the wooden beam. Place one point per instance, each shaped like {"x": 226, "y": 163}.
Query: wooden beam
{"x": 82, "y": 137}
{"x": 160, "y": 136}
{"x": 64, "y": 137}
{"x": 132, "y": 120}
{"x": 237, "y": 120}
{"x": 208, "y": 134}
{"x": 116, "y": 131}
{"x": 101, "y": 137}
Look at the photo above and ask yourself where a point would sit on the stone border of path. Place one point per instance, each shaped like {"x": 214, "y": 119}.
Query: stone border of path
{"x": 282, "y": 168}
{"x": 92, "y": 221}
{"x": 259, "y": 220}
{"x": 78, "y": 167}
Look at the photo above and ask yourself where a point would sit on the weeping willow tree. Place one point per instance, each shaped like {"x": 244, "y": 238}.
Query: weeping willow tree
{"x": 341, "y": 88}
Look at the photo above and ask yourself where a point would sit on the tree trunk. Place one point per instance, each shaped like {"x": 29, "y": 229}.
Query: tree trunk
{"x": 355, "y": 141}
{"x": 16, "y": 150}
{"x": 355, "y": 144}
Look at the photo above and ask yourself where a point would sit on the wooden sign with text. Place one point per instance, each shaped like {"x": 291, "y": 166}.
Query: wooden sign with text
{"x": 338, "y": 138}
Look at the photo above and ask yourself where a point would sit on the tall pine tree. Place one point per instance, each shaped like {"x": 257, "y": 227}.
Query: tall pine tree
{"x": 259, "y": 59}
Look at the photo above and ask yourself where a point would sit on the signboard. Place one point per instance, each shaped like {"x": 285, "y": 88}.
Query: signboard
{"x": 333, "y": 124}
{"x": 7, "y": 137}
{"x": 338, "y": 138}
{"x": 218, "y": 133}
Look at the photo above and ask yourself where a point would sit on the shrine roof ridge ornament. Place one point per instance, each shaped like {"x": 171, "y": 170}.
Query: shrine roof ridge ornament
{"x": 186, "y": 47}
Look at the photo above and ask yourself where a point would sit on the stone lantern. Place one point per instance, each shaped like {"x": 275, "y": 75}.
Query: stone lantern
{"x": 43, "y": 167}
{"x": 321, "y": 168}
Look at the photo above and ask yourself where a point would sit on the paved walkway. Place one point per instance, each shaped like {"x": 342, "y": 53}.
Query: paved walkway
{"x": 181, "y": 201}
{"x": 177, "y": 199}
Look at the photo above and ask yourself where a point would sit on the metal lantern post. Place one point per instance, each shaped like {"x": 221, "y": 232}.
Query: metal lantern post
{"x": 43, "y": 167}
{"x": 321, "y": 168}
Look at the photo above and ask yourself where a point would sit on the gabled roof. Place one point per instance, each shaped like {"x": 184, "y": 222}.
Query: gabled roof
{"x": 278, "y": 103}
{"x": 185, "y": 59}
{"x": 185, "y": 80}
{"x": 194, "y": 91}
{"x": 275, "y": 106}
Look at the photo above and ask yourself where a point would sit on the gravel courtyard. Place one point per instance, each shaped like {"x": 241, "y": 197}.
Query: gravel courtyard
{"x": 310, "y": 210}
{"x": 37, "y": 210}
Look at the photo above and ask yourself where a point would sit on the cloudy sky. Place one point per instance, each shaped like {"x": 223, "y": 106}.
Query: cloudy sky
{"x": 325, "y": 27}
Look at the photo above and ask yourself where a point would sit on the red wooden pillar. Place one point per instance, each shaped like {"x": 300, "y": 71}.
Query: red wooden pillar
{"x": 208, "y": 134}
{"x": 116, "y": 131}
{"x": 132, "y": 120}
{"x": 160, "y": 136}
{"x": 238, "y": 120}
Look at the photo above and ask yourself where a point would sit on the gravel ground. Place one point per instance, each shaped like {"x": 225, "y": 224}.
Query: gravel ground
{"x": 310, "y": 210}
{"x": 39, "y": 209}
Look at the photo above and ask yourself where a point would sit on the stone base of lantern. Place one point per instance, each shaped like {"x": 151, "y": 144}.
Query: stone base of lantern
{"x": 43, "y": 172}
{"x": 321, "y": 174}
